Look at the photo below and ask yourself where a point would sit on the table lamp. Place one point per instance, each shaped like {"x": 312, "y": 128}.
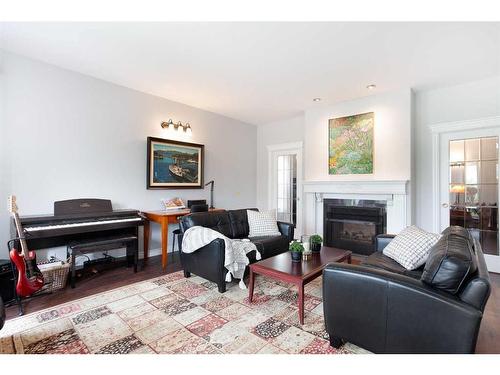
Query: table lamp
{"x": 211, "y": 183}
{"x": 457, "y": 189}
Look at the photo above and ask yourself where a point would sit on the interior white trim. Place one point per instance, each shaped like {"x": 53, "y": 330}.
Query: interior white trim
{"x": 492, "y": 262}
{"x": 435, "y": 182}
{"x": 284, "y": 146}
{"x": 437, "y": 131}
{"x": 357, "y": 187}
{"x": 480, "y": 123}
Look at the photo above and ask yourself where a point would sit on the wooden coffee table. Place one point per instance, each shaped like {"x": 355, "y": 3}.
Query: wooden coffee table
{"x": 281, "y": 267}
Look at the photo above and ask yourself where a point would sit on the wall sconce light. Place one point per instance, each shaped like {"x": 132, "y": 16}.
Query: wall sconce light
{"x": 177, "y": 127}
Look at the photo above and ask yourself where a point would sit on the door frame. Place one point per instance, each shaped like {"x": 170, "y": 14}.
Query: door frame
{"x": 438, "y": 132}
{"x": 273, "y": 151}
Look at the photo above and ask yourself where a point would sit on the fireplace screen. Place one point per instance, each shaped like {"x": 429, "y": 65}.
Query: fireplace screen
{"x": 360, "y": 231}
{"x": 353, "y": 224}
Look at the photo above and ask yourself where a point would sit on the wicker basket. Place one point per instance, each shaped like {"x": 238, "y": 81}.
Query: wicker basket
{"x": 56, "y": 277}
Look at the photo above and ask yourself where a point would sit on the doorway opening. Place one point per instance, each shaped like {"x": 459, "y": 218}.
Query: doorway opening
{"x": 285, "y": 182}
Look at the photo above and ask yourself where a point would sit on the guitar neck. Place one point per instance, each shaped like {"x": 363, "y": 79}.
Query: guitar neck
{"x": 20, "y": 233}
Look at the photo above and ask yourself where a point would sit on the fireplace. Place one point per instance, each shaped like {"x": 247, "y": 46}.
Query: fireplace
{"x": 353, "y": 224}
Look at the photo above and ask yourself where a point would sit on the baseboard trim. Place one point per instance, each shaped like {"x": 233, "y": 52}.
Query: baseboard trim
{"x": 153, "y": 252}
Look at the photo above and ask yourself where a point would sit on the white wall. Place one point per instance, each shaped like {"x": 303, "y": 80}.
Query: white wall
{"x": 4, "y": 167}
{"x": 461, "y": 102}
{"x": 71, "y": 136}
{"x": 286, "y": 131}
{"x": 392, "y": 137}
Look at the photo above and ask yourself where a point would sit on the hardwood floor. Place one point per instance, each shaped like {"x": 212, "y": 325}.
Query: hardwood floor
{"x": 488, "y": 340}
{"x": 489, "y": 334}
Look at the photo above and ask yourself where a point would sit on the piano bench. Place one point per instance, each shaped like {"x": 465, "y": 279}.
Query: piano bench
{"x": 76, "y": 248}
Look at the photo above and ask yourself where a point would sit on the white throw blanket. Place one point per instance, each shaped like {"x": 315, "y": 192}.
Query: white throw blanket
{"x": 236, "y": 251}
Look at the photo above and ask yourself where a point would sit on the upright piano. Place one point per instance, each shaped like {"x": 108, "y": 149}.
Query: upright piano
{"x": 77, "y": 221}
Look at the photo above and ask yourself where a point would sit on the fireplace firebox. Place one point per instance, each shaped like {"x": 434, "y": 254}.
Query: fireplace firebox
{"x": 353, "y": 224}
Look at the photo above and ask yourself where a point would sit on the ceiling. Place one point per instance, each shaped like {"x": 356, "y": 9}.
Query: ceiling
{"x": 263, "y": 72}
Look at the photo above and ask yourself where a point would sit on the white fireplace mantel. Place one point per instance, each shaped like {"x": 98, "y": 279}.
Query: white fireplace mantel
{"x": 394, "y": 192}
{"x": 357, "y": 187}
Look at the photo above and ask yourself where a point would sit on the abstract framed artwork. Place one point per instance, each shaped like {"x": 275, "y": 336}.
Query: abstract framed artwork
{"x": 350, "y": 146}
{"x": 174, "y": 164}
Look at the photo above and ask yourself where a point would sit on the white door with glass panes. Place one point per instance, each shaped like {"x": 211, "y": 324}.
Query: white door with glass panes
{"x": 285, "y": 182}
{"x": 469, "y": 187}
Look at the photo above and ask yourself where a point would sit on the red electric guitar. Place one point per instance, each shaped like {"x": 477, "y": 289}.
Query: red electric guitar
{"x": 29, "y": 278}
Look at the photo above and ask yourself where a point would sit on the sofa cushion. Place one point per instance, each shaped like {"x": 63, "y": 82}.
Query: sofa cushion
{"x": 269, "y": 246}
{"x": 411, "y": 247}
{"x": 451, "y": 261}
{"x": 218, "y": 221}
{"x": 379, "y": 260}
{"x": 262, "y": 224}
{"x": 239, "y": 222}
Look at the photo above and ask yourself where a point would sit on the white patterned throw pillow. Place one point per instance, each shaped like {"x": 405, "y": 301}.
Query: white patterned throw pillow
{"x": 262, "y": 224}
{"x": 411, "y": 247}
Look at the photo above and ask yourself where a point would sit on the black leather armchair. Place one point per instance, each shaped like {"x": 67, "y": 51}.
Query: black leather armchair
{"x": 384, "y": 309}
{"x": 208, "y": 262}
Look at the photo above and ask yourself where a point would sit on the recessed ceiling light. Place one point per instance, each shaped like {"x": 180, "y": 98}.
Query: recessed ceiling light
{"x": 316, "y": 99}
{"x": 371, "y": 87}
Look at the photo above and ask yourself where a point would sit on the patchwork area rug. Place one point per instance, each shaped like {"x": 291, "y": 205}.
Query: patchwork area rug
{"x": 171, "y": 314}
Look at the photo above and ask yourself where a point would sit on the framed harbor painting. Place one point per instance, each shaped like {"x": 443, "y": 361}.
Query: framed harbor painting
{"x": 174, "y": 164}
{"x": 350, "y": 147}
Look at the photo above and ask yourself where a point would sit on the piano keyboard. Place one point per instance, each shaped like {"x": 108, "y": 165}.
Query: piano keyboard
{"x": 83, "y": 224}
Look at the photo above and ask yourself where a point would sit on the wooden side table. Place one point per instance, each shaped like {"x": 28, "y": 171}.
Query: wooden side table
{"x": 164, "y": 218}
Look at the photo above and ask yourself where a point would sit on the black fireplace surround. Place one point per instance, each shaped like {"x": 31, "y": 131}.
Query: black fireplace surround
{"x": 353, "y": 224}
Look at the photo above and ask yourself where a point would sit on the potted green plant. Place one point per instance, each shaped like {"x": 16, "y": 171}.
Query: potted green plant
{"x": 296, "y": 248}
{"x": 316, "y": 241}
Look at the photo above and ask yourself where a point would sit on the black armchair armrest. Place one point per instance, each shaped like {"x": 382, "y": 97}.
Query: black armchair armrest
{"x": 386, "y": 312}
{"x": 286, "y": 229}
{"x": 207, "y": 262}
{"x": 2, "y": 313}
{"x": 382, "y": 240}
